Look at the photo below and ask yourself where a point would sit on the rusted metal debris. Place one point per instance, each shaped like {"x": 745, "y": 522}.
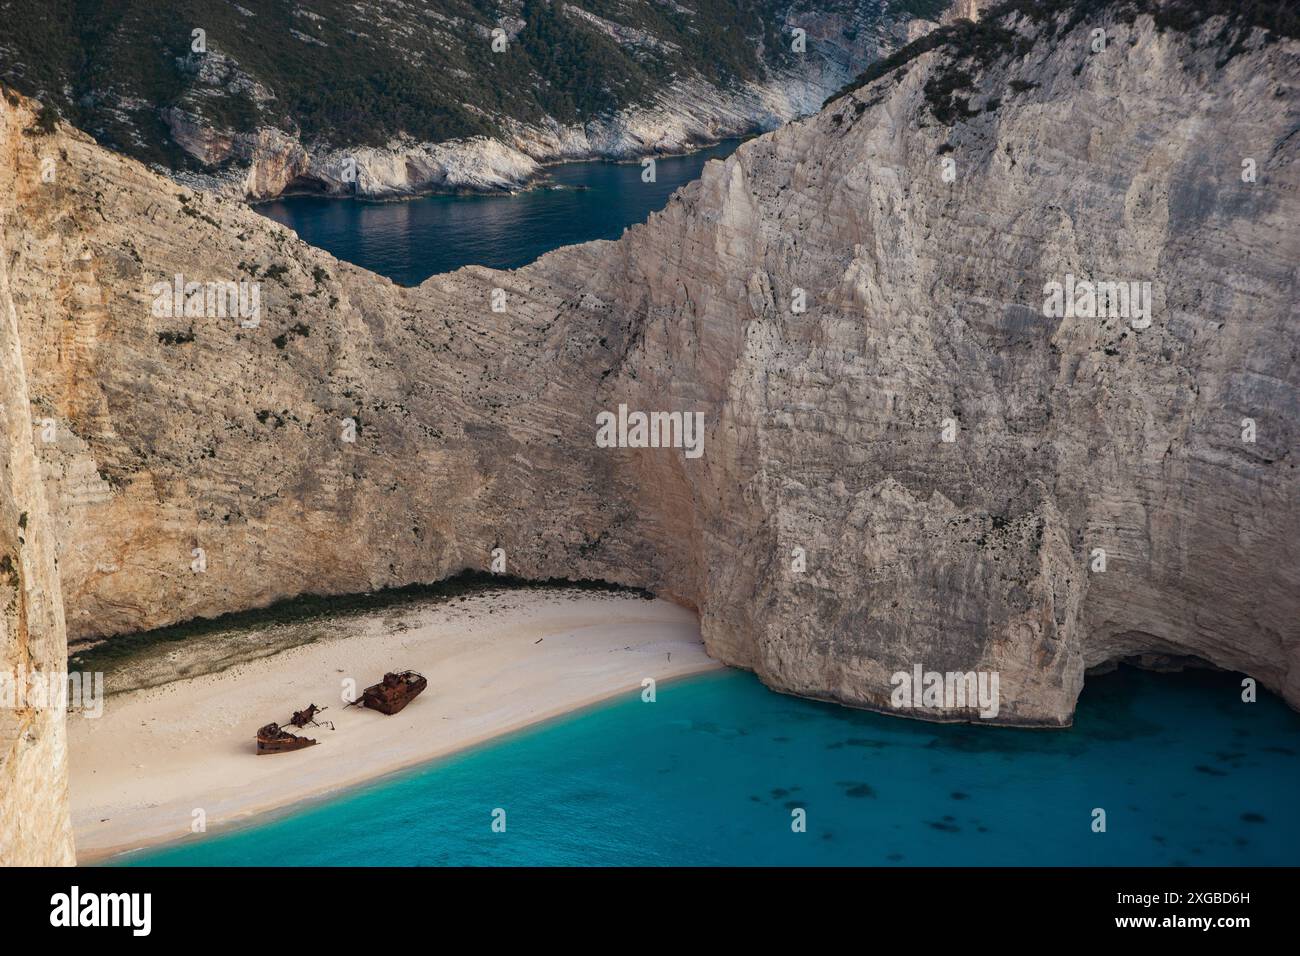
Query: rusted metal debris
{"x": 274, "y": 739}
{"x": 389, "y": 696}
{"x": 301, "y": 718}
{"x": 393, "y": 693}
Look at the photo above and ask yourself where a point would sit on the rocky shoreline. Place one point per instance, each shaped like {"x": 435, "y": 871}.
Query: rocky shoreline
{"x": 270, "y": 164}
{"x": 690, "y": 114}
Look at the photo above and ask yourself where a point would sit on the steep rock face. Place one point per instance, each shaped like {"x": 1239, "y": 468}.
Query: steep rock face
{"x": 34, "y": 826}
{"x": 963, "y": 10}
{"x": 926, "y": 303}
{"x": 196, "y": 439}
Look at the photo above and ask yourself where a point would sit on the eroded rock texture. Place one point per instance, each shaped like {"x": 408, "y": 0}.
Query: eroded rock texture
{"x": 475, "y": 428}
{"x": 34, "y": 827}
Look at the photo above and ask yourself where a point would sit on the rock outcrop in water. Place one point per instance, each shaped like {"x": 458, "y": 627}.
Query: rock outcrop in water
{"x": 924, "y": 465}
{"x": 686, "y": 113}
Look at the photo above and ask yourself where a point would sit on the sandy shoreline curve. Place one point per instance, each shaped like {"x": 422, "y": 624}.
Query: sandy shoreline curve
{"x": 496, "y": 663}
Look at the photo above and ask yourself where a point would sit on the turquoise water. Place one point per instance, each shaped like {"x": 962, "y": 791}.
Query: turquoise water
{"x": 412, "y": 240}
{"x": 710, "y": 773}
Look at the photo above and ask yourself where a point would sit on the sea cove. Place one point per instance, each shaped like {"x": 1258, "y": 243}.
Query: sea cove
{"x": 410, "y": 240}
{"x": 714, "y": 770}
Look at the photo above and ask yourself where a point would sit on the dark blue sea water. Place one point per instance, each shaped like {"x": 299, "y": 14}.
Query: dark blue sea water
{"x": 411, "y": 240}
{"x": 709, "y": 774}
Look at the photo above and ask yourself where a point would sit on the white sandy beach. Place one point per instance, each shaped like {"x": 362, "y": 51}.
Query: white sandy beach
{"x": 494, "y": 665}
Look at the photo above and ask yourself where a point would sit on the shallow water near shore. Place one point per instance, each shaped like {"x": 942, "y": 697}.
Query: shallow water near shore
{"x": 710, "y": 773}
{"x": 410, "y": 240}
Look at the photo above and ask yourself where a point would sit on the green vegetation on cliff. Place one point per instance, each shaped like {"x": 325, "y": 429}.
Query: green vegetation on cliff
{"x": 339, "y": 72}
{"x": 995, "y": 37}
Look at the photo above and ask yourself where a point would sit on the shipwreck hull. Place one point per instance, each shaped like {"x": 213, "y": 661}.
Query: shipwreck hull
{"x": 272, "y": 740}
{"x": 391, "y": 696}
